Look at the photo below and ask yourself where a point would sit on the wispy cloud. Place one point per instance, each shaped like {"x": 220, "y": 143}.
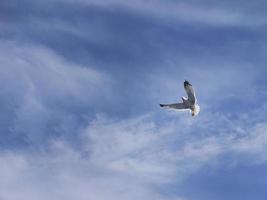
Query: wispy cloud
{"x": 127, "y": 159}
{"x": 220, "y": 15}
{"x": 80, "y": 87}
{"x": 40, "y": 88}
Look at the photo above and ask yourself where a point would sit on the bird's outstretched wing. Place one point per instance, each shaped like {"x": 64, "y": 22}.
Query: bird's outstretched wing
{"x": 190, "y": 92}
{"x": 175, "y": 106}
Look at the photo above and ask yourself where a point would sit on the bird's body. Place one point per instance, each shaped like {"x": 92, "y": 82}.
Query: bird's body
{"x": 189, "y": 103}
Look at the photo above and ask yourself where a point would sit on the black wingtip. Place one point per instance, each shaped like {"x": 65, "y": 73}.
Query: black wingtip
{"x": 161, "y": 105}
{"x": 186, "y": 83}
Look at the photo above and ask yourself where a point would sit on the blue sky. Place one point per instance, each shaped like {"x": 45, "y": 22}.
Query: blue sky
{"x": 80, "y": 86}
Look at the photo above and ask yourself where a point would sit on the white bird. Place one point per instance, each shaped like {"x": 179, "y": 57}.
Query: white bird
{"x": 189, "y": 103}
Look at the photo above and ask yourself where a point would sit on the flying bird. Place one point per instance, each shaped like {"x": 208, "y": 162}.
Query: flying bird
{"x": 189, "y": 103}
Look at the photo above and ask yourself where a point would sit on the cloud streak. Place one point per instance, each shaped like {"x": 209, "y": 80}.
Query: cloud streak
{"x": 81, "y": 82}
{"x": 126, "y": 159}
{"x": 45, "y": 93}
{"x": 189, "y": 12}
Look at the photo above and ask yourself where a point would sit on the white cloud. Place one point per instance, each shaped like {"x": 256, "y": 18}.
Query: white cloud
{"x": 131, "y": 146}
{"x": 42, "y": 87}
{"x": 183, "y": 11}
{"x": 37, "y": 66}
{"x": 156, "y": 153}
{"x": 253, "y": 143}
{"x": 65, "y": 175}
{"x": 128, "y": 159}
{"x": 120, "y": 159}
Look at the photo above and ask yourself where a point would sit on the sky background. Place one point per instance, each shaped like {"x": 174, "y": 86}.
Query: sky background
{"x": 81, "y": 81}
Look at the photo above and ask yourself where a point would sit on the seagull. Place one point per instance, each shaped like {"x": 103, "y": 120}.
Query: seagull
{"x": 189, "y": 103}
